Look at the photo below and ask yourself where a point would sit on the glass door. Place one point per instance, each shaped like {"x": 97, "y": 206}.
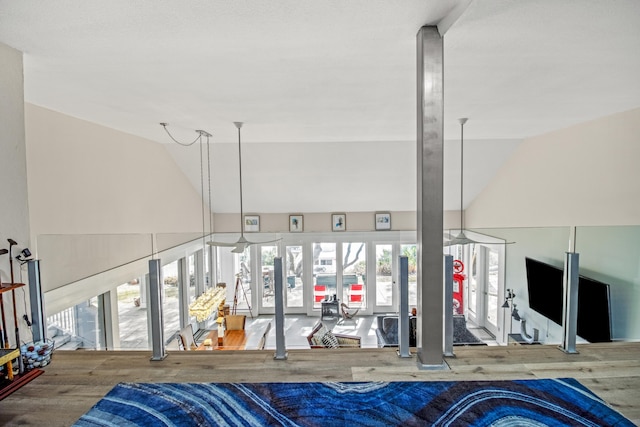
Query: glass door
{"x": 294, "y": 277}
{"x": 266, "y": 285}
{"x": 324, "y": 273}
{"x": 385, "y": 289}
{"x": 485, "y": 276}
{"x": 354, "y": 274}
{"x": 493, "y": 275}
{"x": 387, "y": 283}
{"x": 411, "y": 252}
{"x": 471, "y": 302}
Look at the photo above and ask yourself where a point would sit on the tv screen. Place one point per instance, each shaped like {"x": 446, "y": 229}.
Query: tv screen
{"x": 545, "y": 283}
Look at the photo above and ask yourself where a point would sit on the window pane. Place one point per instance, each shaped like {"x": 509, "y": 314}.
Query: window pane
{"x": 384, "y": 279}
{"x": 473, "y": 281}
{"x": 492, "y": 288}
{"x": 324, "y": 271}
{"x": 132, "y": 316}
{"x": 242, "y": 289}
{"x": 268, "y": 253}
{"x": 294, "y": 276}
{"x": 192, "y": 278}
{"x": 354, "y": 269}
{"x": 411, "y": 252}
{"x": 170, "y": 301}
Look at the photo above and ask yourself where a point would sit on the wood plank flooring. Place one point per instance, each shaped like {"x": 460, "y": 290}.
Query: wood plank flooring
{"x": 76, "y": 380}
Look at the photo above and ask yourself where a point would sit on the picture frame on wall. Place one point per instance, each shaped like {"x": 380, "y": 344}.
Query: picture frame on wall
{"x": 338, "y": 222}
{"x": 251, "y": 223}
{"x": 383, "y": 221}
{"x": 296, "y": 223}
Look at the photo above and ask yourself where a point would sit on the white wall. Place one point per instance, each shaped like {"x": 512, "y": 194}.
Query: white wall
{"x": 98, "y": 196}
{"x": 88, "y": 179}
{"x": 14, "y": 208}
{"x": 587, "y": 174}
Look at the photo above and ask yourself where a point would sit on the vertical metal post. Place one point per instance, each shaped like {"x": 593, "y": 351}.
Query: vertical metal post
{"x": 570, "y": 300}
{"x": 184, "y": 281}
{"x": 403, "y": 313}
{"x": 448, "y": 305}
{"x": 430, "y": 166}
{"x": 281, "y": 353}
{"x": 38, "y": 321}
{"x": 144, "y": 290}
{"x": 155, "y": 309}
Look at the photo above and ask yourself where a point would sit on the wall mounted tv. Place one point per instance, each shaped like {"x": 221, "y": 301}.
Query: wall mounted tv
{"x": 545, "y": 283}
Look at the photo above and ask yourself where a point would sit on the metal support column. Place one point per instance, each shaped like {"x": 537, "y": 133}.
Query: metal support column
{"x": 403, "y": 313}
{"x": 38, "y": 320}
{"x": 184, "y": 282}
{"x": 570, "y": 302}
{"x": 281, "y": 353}
{"x": 430, "y": 166}
{"x": 155, "y": 309}
{"x": 448, "y": 306}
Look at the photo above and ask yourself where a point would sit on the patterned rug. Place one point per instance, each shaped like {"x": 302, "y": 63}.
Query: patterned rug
{"x": 547, "y": 402}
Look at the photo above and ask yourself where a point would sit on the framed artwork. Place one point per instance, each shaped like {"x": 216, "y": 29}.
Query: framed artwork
{"x": 295, "y": 223}
{"x": 383, "y": 221}
{"x": 251, "y": 223}
{"x": 338, "y": 222}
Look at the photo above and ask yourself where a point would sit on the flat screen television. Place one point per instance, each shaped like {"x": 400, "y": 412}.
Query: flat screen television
{"x": 545, "y": 283}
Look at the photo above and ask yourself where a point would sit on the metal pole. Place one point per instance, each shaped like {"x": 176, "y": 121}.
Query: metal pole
{"x": 155, "y": 309}
{"x": 448, "y": 305}
{"x": 38, "y": 321}
{"x": 430, "y": 197}
{"x": 570, "y": 299}
{"x": 403, "y": 313}
{"x": 281, "y": 353}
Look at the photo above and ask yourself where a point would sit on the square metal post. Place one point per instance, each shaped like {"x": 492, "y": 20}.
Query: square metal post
{"x": 281, "y": 353}
{"x": 448, "y": 305}
{"x": 430, "y": 165}
{"x": 570, "y": 302}
{"x": 403, "y": 313}
{"x": 155, "y": 309}
{"x": 38, "y": 321}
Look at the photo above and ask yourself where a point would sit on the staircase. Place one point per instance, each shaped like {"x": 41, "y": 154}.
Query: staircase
{"x": 63, "y": 340}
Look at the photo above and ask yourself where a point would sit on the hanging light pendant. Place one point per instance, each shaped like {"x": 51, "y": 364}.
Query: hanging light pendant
{"x": 242, "y": 243}
{"x": 461, "y": 238}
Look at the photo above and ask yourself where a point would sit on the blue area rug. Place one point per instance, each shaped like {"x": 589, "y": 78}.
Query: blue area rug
{"x": 548, "y": 402}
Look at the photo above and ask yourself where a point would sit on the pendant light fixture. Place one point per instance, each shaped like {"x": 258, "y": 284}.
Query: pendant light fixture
{"x": 242, "y": 242}
{"x": 461, "y": 238}
{"x": 202, "y": 134}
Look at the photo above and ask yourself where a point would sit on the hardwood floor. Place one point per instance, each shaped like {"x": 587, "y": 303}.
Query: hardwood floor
{"x": 76, "y": 380}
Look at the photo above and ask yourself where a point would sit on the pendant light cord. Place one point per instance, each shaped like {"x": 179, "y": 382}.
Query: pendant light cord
{"x": 209, "y": 178}
{"x": 187, "y": 144}
{"x": 239, "y": 125}
{"x": 202, "y": 190}
{"x": 201, "y": 133}
{"x": 462, "y": 122}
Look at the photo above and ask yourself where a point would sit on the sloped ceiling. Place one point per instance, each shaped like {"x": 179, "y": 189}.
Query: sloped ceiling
{"x": 327, "y": 89}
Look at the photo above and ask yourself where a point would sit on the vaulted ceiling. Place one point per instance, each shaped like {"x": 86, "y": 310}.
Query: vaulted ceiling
{"x": 327, "y": 89}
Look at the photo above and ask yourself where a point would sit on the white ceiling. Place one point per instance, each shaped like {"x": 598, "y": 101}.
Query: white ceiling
{"x": 327, "y": 88}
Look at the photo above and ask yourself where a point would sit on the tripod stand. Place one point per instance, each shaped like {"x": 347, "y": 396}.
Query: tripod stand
{"x": 244, "y": 295}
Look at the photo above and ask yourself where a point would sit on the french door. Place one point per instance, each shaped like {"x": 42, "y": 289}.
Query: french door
{"x": 484, "y": 285}
{"x": 387, "y": 286}
{"x": 295, "y": 278}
